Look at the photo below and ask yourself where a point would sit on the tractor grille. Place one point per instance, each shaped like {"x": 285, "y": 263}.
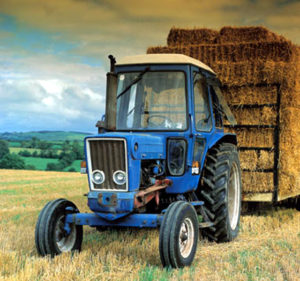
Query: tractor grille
{"x": 109, "y": 156}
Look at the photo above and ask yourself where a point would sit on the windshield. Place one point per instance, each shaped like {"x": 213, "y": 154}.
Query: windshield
{"x": 157, "y": 101}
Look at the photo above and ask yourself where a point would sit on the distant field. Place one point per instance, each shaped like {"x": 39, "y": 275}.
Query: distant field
{"x": 39, "y": 163}
{"x": 75, "y": 165}
{"x": 44, "y": 135}
{"x": 268, "y": 247}
{"x": 18, "y": 149}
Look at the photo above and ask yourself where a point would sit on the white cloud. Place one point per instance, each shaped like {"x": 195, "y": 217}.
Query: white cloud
{"x": 52, "y": 95}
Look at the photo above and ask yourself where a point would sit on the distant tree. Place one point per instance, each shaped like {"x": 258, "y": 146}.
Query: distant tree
{"x": 34, "y": 142}
{"x": 3, "y": 148}
{"x": 12, "y": 161}
{"x": 35, "y": 154}
{"x": 67, "y": 159}
{"x": 23, "y": 144}
{"x": 77, "y": 149}
{"x": 71, "y": 169}
{"x": 66, "y": 147}
{"x": 54, "y": 167}
{"x": 30, "y": 167}
{"x": 25, "y": 153}
{"x": 43, "y": 145}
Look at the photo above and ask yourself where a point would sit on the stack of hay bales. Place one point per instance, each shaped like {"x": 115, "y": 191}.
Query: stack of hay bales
{"x": 260, "y": 74}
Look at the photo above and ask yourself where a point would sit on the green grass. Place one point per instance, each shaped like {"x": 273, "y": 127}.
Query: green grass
{"x": 14, "y": 143}
{"x": 39, "y": 163}
{"x": 75, "y": 165}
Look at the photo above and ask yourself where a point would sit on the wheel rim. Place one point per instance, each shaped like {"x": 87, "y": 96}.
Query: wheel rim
{"x": 186, "y": 237}
{"x": 234, "y": 196}
{"x": 64, "y": 242}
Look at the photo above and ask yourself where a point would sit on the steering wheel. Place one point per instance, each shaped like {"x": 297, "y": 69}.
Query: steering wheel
{"x": 164, "y": 118}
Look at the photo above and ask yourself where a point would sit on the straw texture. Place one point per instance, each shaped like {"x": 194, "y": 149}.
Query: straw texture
{"x": 256, "y": 67}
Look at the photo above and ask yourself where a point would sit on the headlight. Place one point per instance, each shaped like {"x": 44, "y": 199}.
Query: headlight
{"x": 119, "y": 177}
{"x": 98, "y": 177}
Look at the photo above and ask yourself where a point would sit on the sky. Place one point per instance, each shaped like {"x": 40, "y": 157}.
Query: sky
{"x": 53, "y": 53}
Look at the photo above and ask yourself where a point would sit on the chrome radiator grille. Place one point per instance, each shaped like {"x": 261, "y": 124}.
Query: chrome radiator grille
{"x": 107, "y": 155}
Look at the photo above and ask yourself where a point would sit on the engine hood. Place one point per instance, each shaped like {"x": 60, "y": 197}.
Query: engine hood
{"x": 140, "y": 145}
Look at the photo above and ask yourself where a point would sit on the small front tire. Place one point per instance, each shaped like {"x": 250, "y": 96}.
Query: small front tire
{"x": 50, "y": 236}
{"x": 178, "y": 237}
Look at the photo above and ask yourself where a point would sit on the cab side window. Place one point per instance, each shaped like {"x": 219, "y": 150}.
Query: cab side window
{"x": 201, "y": 104}
{"x": 217, "y": 110}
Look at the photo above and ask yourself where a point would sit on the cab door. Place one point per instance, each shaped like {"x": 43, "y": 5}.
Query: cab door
{"x": 202, "y": 117}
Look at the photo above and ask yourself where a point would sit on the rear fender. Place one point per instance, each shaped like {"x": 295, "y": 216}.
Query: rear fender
{"x": 220, "y": 138}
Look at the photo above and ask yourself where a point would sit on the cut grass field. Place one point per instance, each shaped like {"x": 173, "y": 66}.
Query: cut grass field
{"x": 268, "y": 247}
{"x": 18, "y": 149}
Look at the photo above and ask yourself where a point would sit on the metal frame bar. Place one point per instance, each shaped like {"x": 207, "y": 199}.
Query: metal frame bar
{"x": 132, "y": 220}
{"x": 241, "y": 106}
{"x": 256, "y": 148}
{"x": 250, "y": 126}
{"x": 276, "y": 145}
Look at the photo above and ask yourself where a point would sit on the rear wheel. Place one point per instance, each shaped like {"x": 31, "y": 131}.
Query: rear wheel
{"x": 221, "y": 192}
{"x": 50, "y": 235}
{"x": 178, "y": 236}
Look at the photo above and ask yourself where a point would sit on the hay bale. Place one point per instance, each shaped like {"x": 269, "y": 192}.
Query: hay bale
{"x": 250, "y": 95}
{"x": 255, "y": 182}
{"x": 248, "y": 34}
{"x": 254, "y": 137}
{"x": 255, "y": 116}
{"x": 182, "y": 36}
{"x": 255, "y": 65}
{"x": 248, "y": 159}
{"x": 256, "y": 73}
{"x": 240, "y": 73}
{"x": 265, "y": 160}
{"x": 288, "y": 185}
{"x": 231, "y": 52}
{"x": 289, "y": 117}
{"x": 289, "y": 170}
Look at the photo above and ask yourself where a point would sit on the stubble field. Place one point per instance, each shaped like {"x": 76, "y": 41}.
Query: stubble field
{"x": 268, "y": 247}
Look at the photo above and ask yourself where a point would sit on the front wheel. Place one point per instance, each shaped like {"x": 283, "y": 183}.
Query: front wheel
{"x": 50, "y": 235}
{"x": 178, "y": 236}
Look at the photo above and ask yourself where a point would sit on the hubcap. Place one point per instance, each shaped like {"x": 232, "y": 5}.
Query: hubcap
{"x": 234, "y": 190}
{"x": 186, "y": 237}
{"x": 64, "y": 242}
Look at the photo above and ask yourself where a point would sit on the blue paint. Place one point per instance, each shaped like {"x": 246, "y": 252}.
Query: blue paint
{"x": 133, "y": 220}
{"x": 151, "y": 145}
{"x": 124, "y": 202}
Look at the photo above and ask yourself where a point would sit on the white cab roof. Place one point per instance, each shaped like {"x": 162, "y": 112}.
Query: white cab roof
{"x": 162, "y": 59}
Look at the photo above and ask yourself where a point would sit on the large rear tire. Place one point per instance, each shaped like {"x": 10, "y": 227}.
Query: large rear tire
{"x": 221, "y": 192}
{"x": 178, "y": 235}
{"x": 50, "y": 236}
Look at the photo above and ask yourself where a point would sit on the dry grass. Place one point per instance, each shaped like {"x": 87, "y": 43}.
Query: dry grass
{"x": 268, "y": 247}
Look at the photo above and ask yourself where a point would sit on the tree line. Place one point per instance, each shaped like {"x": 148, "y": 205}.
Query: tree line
{"x": 66, "y": 155}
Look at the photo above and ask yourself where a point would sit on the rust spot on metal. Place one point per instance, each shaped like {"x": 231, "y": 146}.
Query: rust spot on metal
{"x": 143, "y": 197}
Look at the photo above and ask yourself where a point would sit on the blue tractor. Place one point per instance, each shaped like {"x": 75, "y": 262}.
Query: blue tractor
{"x": 160, "y": 159}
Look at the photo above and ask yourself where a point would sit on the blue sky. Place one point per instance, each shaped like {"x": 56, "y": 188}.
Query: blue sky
{"x": 53, "y": 54}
